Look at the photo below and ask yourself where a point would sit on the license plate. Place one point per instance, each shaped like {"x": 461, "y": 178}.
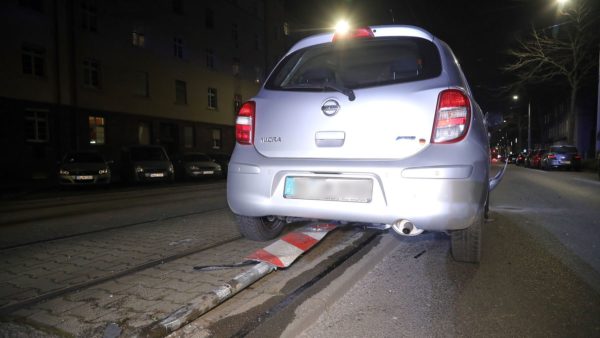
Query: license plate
{"x": 157, "y": 175}
{"x": 208, "y": 172}
{"x": 84, "y": 177}
{"x": 358, "y": 190}
{"x": 566, "y": 162}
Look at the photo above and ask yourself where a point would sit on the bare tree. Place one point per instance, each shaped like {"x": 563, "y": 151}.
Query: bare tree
{"x": 563, "y": 51}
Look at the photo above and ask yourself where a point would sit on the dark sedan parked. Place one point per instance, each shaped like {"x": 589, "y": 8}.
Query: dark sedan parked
{"x": 561, "y": 157}
{"x": 83, "y": 168}
{"x": 195, "y": 165}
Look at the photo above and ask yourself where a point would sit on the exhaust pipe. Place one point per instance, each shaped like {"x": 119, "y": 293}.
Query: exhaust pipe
{"x": 406, "y": 228}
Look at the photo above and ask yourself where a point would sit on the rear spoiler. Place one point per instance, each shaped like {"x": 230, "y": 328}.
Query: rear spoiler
{"x": 496, "y": 179}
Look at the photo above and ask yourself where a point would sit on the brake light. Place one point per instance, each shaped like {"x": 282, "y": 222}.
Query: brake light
{"x": 551, "y": 156}
{"x": 577, "y": 157}
{"x": 452, "y": 117}
{"x": 244, "y": 123}
{"x": 357, "y": 33}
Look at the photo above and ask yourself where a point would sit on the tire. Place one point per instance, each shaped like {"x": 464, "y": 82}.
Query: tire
{"x": 466, "y": 243}
{"x": 259, "y": 228}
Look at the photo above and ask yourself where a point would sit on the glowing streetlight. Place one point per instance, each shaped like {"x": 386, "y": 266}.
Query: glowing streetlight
{"x": 515, "y": 97}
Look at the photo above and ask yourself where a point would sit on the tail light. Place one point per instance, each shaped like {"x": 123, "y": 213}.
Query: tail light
{"x": 244, "y": 123}
{"x": 551, "y": 156}
{"x": 452, "y": 117}
{"x": 577, "y": 157}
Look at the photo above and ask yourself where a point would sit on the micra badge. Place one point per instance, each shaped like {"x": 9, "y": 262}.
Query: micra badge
{"x": 270, "y": 139}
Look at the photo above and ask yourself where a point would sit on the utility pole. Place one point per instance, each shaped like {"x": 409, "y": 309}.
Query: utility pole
{"x": 528, "y": 125}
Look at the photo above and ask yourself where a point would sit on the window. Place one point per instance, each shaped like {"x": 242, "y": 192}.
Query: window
{"x": 180, "y": 92}
{"x": 138, "y": 39}
{"x": 36, "y": 126}
{"x": 235, "y": 35}
{"x": 178, "y": 6}
{"x": 33, "y": 60}
{"x": 209, "y": 18}
{"x": 178, "y": 47}
{"x": 96, "y": 125}
{"x": 212, "y": 98}
{"x": 237, "y": 102}
{"x": 144, "y": 133}
{"x": 91, "y": 73}
{"x": 404, "y": 59}
{"x": 89, "y": 16}
{"x": 188, "y": 137}
{"x": 286, "y": 29}
{"x": 210, "y": 59}
{"x": 216, "y": 138}
{"x": 141, "y": 84}
{"x": 36, "y": 5}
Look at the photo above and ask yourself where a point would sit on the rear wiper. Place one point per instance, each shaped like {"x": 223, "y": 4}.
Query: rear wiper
{"x": 325, "y": 85}
{"x": 340, "y": 88}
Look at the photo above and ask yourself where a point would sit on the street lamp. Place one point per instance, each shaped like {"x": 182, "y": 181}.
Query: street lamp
{"x": 516, "y": 98}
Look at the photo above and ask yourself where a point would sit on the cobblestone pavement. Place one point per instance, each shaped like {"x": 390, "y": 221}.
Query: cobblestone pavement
{"x": 136, "y": 300}
{"x": 130, "y": 301}
{"x": 35, "y": 270}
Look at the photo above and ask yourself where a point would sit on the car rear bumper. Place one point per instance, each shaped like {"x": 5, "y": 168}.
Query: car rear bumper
{"x": 432, "y": 197}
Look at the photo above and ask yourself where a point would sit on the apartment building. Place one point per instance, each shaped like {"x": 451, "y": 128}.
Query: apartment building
{"x": 103, "y": 74}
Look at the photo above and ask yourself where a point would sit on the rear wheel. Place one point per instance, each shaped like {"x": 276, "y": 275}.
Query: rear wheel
{"x": 260, "y": 228}
{"x": 466, "y": 243}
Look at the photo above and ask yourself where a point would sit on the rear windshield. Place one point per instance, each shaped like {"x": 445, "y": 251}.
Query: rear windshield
{"x": 357, "y": 64}
{"x": 148, "y": 154}
{"x": 563, "y": 149}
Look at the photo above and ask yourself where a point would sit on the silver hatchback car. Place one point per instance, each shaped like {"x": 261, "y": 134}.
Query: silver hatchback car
{"x": 375, "y": 126}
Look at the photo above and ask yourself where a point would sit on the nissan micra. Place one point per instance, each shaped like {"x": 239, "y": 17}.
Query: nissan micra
{"x": 377, "y": 126}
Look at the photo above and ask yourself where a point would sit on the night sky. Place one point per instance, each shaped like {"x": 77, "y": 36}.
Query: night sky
{"x": 479, "y": 32}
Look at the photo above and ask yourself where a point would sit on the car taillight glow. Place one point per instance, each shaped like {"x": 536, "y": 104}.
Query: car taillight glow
{"x": 551, "y": 156}
{"x": 452, "y": 117}
{"x": 577, "y": 157}
{"x": 244, "y": 123}
{"x": 357, "y": 33}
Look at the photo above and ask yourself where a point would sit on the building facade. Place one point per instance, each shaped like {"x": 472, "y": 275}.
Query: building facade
{"x": 101, "y": 75}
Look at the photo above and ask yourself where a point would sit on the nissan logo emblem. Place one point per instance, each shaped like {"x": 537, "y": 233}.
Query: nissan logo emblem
{"x": 330, "y": 107}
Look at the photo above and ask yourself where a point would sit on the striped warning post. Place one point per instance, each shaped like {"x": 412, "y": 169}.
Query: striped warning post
{"x": 283, "y": 252}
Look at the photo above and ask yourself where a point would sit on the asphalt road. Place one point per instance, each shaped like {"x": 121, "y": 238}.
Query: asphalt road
{"x": 539, "y": 275}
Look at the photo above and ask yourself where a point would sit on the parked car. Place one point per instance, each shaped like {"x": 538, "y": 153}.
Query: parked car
{"x": 535, "y": 159}
{"x": 146, "y": 163}
{"x": 84, "y": 168}
{"x": 561, "y": 157}
{"x": 376, "y": 126}
{"x": 222, "y": 159}
{"x": 193, "y": 165}
{"x": 520, "y": 160}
